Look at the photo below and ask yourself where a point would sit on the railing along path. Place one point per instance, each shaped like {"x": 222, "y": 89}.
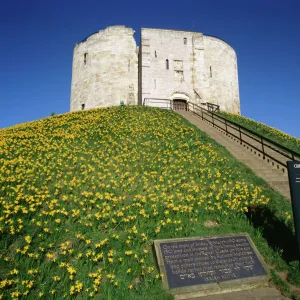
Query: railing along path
{"x": 263, "y": 145}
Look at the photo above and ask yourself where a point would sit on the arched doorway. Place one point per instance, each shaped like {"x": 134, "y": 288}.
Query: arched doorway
{"x": 180, "y": 101}
{"x": 179, "y": 104}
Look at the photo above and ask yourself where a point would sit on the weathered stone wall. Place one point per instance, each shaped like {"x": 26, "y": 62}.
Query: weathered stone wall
{"x": 201, "y": 68}
{"x": 158, "y": 46}
{"x": 171, "y": 64}
{"x": 221, "y": 74}
{"x": 105, "y": 69}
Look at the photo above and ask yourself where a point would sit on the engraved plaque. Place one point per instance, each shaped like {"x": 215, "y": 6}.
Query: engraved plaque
{"x": 201, "y": 261}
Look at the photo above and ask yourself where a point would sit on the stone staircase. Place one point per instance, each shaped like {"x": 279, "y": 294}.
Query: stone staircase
{"x": 269, "y": 170}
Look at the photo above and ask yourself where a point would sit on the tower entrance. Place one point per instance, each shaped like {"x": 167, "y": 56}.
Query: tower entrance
{"x": 179, "y": 104}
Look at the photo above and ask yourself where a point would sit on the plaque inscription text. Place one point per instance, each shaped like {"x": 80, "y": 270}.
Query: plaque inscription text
{"x": 209, "y": 260}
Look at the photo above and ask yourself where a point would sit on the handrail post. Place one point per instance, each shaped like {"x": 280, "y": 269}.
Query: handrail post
{"x": 263, "y": 148}
{"x": 202, "y": 113}
{"x": 226, "y": 127}
{"x": 213, "y": 119}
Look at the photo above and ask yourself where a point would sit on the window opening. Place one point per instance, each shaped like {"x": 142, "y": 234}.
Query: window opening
{"x": 185, "y": 41}
{"x": 128, "y": 65}
{"x": 210, "y": 70}
{"x": 155, "y": 54}
{"x": 82, "y": 106}
{"x": 85, "y": 57}
{"x": 167, "y": 64}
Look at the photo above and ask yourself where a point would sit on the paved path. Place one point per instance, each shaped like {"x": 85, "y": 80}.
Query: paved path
{"x": 267, "y": 169}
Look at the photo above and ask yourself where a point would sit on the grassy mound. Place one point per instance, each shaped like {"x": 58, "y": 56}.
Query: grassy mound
{"x": 84, "y": 194}
{"x": 273, "y": 134}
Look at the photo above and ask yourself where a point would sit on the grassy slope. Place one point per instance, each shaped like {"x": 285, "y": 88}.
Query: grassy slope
{"x": 84, "y": 194}
{"x": 274, "y": 134}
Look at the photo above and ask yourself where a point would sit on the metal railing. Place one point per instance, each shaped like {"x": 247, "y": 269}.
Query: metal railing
{"x": 211, "y": 106}
{"x": 261, "y": 144}
{"x": 158, "y": 102}
{"x": 265, "y": 146}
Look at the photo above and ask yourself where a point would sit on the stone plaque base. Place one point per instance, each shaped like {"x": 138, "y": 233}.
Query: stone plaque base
{"x": 201, "y": 266}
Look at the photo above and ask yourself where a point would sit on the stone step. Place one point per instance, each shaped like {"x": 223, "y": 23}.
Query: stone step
{"x": 265, "y": 169}
{"x": 256, "y": 162}
{"x": 272, "y": 176}
{"x": 270, "y": 170}
{"x": 259, "y": 162}
{"x": 279, "y": 183}
{"x": 286, "y": 192}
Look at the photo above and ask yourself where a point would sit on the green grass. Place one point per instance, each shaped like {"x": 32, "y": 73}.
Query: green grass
{"x": 273, "y": 134}
{"x": 83, "y": 195}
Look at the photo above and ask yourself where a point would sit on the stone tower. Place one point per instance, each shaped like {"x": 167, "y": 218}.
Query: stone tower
{"x": 188, "y": 66}
{"x": 105, "y": 69}
{"x": 172, "y": 64}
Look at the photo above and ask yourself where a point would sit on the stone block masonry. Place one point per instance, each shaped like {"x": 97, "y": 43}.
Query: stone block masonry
{"x": 109, "y": 68}
{"x": 105, "y": 69}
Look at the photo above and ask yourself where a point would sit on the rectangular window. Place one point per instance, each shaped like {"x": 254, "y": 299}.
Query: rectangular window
{"x": 178, "y": 65}
{"x": 178, "y": 75}
{"x": 210, "y": 70}
{"x": 85, "y": 58}
{"x": 184, "y": 41}
{"x": 82, "y": 106}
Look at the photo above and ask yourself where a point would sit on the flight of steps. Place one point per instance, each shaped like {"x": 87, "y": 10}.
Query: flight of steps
{"x": 267, "y": 169}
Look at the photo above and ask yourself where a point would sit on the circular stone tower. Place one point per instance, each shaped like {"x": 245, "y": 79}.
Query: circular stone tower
{"x": 105, "y": 69}
{"x": 221, "y": 74}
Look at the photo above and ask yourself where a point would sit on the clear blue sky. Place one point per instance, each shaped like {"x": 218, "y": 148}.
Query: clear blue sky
{"x": 38, "y": 37}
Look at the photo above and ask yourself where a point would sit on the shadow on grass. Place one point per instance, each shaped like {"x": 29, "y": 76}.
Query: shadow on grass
{"x": 278, "y": 235}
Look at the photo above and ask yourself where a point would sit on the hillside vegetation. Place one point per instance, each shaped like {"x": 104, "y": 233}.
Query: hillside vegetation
{"x": 83, "y": 195}
{"x": 273, "y": 134}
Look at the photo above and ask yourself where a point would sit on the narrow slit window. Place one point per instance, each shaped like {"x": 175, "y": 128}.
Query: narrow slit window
{"x": 210, "y": 71}
{"x": 155, "y": 54}
{"x": 128, "y": 65}
{"x": 184, "y": 41}
{"x": 82, "y": 106}
{"x": 167, "y": 64}
{"x": 85, "y": 58}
